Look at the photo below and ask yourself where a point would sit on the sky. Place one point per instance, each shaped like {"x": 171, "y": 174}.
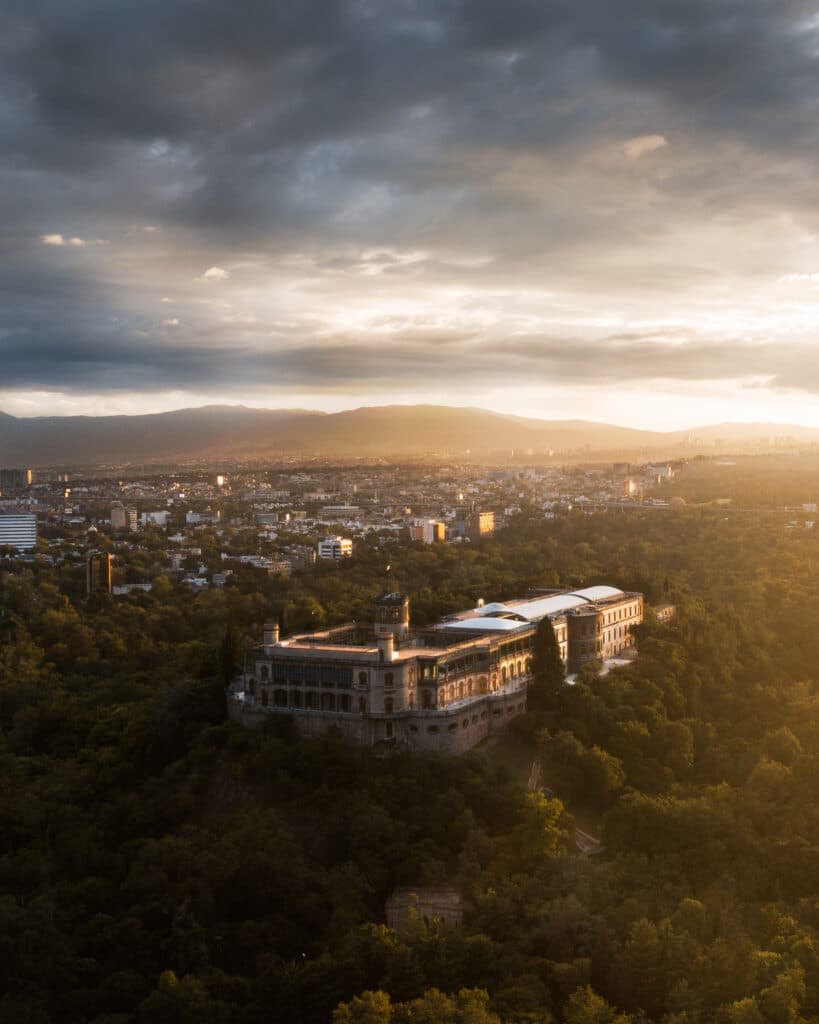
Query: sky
{"x": 565, "y": 209}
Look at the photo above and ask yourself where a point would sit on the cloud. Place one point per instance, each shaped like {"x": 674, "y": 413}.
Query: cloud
{"x": 216, "y": 274}
{"x": 442, "y": 161}
{"x": 640, "y": 145}
{"x": 171, "y": 322}
{"x": 60, "y": 241}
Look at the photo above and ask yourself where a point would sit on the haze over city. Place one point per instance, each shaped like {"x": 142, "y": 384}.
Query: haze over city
{"x": 564, "y": 210}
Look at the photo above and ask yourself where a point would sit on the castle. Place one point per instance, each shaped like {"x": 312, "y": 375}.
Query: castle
{"x": 442, "y": 688}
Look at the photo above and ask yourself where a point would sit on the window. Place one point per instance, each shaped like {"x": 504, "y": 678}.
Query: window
{"x": 432, "y": 728}
{"x": 280, "y": 698}
{"x": 362, "y": 678}
{"x": 263, "y": 674}
{"x": 388, "y": 706}
{"x": 296, "y": 699}
{"x": 328, "y": 702}
{"x": 344, "y": 702}
{"x": 388, "y": 730}
{"x": 426, "y": 700}
{"x": 362, "y": 705}
{"x": 389, "y": 681}
{"x": 264, "y": 698}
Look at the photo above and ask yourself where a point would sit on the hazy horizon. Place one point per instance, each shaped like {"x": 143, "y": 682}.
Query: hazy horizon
{"x": 562, "y": 213}
{"x": 693, "y": 427}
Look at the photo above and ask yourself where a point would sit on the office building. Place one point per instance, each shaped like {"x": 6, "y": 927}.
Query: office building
{"x": 159, "y": 519}
{"x": 335, "y": 548}
{"x": 98, "y": 574}
{"x": 428, "y": 531}
{"x": 124, "y": 518}
{"x": 14, "y": 481}
{"x": 18, "y": 530}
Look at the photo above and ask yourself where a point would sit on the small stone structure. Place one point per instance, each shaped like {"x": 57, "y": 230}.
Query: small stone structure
{"x": 440, "y": 903}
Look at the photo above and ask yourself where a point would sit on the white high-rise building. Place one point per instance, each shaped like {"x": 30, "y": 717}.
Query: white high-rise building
{"x": 18, "y": 530}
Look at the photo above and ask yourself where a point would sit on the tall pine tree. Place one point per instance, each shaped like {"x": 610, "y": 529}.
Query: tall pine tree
{"x": 548, "y": 673}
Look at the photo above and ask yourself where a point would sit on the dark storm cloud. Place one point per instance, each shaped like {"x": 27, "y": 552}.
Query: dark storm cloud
{"x": 441, "y": 125}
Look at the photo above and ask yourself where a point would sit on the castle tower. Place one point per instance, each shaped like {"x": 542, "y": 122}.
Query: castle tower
{"x": 392, "y": 615}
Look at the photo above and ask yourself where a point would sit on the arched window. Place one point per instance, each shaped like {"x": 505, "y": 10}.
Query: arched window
{"x": 520, "y": 668}
{"x": 388, "y": 706}
{"x": 388, "y": 730}
{"x": 389, "y": 680}
{"x": 503, "y": 674}
{"x": 426, "y": 700}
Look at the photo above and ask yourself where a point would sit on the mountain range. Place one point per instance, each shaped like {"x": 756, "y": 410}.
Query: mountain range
{"x": 238, "y": 432}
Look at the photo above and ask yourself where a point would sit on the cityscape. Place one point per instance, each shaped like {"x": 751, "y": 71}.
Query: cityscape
{"x": 409, "y": 488}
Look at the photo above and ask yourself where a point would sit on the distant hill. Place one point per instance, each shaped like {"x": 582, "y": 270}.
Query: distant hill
{"x": 230, "y": 432}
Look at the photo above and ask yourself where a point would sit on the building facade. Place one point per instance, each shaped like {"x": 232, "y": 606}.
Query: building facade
{"x": 442, "y": 688}
{"x": 335, "y": 548}
{"x": 18, "y": 530}
{"x": 428, "y": 531}
{"x": 98, "y": 573}
{"x": 14, "y": 481}
{"x": 124, "y": 518}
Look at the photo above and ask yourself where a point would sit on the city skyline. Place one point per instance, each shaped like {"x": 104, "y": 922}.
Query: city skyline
{"x": 567, "y": 212}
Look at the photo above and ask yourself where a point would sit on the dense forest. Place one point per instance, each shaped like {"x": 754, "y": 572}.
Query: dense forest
{"x": 159, "y": 865}
{"x": 747, "y": 481}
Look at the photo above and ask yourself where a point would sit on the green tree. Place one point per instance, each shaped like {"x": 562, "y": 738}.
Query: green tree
{"x": 548, "y": 673}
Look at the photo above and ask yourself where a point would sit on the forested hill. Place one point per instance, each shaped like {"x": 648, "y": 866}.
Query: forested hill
{"x": 239, "y": 432}
{"x": 158, "y": 864}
